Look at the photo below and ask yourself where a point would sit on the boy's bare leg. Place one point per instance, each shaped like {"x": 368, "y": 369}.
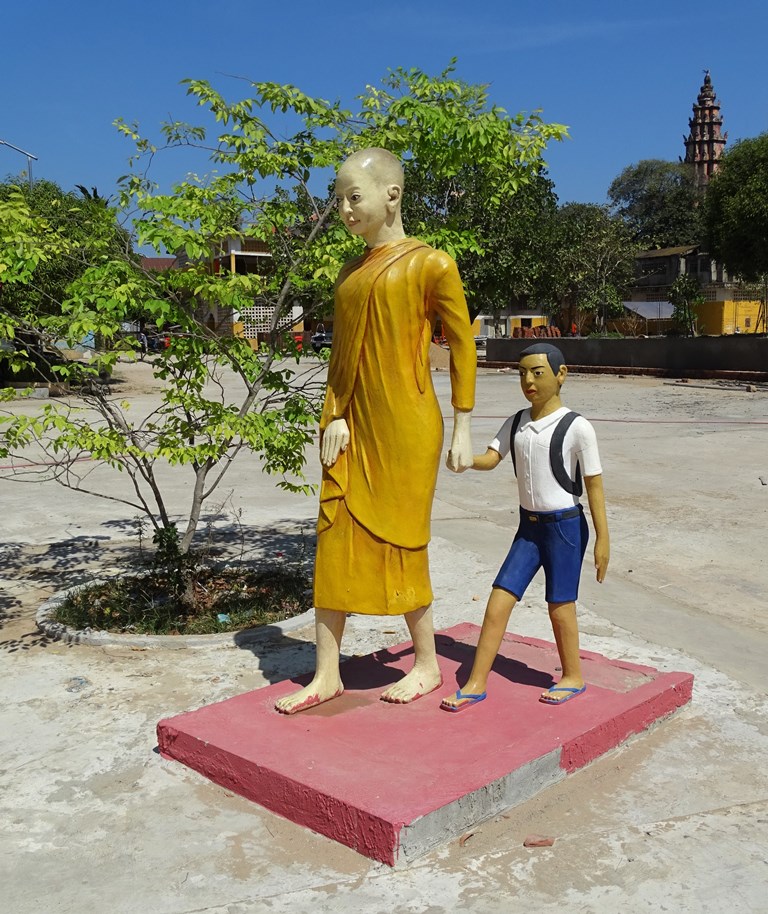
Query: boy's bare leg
{"x": 566, "y": 630}
{"x": 326, "y": 684}
{"x": 497, "y": 613}
{"x": 425, "y": 676}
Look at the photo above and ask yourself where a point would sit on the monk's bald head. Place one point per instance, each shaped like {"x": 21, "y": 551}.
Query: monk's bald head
{"x": 379, "y": 163}
{"x": 369, "y": 193}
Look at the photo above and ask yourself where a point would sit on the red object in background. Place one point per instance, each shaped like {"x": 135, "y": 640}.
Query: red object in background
{"x": 298, "y": 338}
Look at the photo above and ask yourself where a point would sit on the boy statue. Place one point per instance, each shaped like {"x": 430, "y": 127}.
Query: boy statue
{"x": 551, "y": 447}
{"x": 381, "y": 429}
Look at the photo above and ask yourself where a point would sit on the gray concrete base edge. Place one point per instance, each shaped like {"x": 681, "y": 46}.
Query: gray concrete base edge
{"x": 451, "y": 821}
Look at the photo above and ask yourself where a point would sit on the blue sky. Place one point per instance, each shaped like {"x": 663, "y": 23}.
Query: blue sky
{"x": 622, "y": 76}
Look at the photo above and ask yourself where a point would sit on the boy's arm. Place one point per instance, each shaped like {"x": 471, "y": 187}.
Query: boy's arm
{"x": 596, "y": 499}
{"x": 487, "y": 461}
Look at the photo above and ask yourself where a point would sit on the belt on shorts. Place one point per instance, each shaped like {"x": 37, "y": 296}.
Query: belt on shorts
{"x": 554, "y": 516}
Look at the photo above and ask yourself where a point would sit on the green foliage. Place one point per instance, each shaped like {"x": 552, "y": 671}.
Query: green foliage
{"x": 685, "y": 296}
{"x": 736, "y": 209}
{"x": 506, "y": 261}
{"x": 269, "y": 152}
{"x": 222, "y": 601}
{"x": 659, "y": 203}
{"x": 592, "y": 262}
{"x": 53, "y": 235}
{"x": 444, "y": 129}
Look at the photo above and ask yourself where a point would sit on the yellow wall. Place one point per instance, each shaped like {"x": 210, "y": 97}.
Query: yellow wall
{"x": 718, "y": 317}
{"x": 535, "y": 322}
{"x": 238, "y": 330}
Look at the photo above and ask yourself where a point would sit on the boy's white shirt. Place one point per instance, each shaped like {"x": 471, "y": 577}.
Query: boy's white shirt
{"x": 537, "y": 487}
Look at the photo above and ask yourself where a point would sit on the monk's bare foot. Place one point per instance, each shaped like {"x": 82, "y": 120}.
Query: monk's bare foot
{"x": 314, "y": 694}
{"x": 412, "y": 686}
{"x": 563, "y": 691}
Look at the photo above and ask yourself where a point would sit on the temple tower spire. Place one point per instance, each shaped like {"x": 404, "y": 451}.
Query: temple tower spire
{"x": 704, "y": 144}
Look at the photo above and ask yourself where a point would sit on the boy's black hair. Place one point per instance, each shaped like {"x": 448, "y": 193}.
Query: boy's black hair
{"x": 553, "y": 354}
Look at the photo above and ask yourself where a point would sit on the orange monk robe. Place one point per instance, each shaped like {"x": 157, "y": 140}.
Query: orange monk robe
{"x": 376, "y": 500}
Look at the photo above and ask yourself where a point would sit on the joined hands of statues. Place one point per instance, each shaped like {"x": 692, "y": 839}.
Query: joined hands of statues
{"x": 335, "y": 441}
{"x": 460, "y": 455}
{"x": 455, "y": 463}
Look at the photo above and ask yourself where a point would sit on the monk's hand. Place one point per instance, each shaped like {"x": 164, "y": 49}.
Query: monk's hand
{"x": 602, "y": 555}
{"x": 449, "y": 462}
{"x": 335, "y": 440}
{"x": 460, "y": 456}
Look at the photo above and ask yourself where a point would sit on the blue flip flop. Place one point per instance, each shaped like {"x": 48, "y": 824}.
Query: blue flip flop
{"x": 562, "y": 701}
{"x": 468, "y": 699}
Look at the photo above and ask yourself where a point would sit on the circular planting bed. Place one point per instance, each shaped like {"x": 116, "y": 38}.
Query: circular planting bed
{"x": 158, "y": 607}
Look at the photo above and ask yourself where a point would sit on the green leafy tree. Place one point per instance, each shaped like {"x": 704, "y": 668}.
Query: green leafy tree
{"x": 736, "y": 209}
{"x": 659, "y": 203}
{"x": 591, "y": 266}
{"x": 269, "y": 151}
{"x": 512, "y": 266}
{"x": 506, "y": 260}
{"x": 686, "y": 296}
{"x": 86, "y": 222}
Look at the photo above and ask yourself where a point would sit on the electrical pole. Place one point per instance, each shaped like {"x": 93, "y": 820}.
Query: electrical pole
{"x": 24, "y": 153}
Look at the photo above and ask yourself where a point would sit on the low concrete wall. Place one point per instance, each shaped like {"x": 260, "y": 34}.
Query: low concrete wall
{"x": 676, "y": 356}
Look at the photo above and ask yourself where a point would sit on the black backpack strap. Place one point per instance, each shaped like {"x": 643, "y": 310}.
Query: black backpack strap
{"x": 512, "y": 433}
{"x": 573, "y": 487}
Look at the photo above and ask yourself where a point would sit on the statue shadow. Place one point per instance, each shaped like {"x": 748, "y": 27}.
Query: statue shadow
{"x": 512, "y": 670}
{"x": 379, "y": 669}
{"x": 358, "y": 673}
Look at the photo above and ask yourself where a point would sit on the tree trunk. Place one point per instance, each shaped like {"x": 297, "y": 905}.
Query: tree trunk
{"x": 197, "y": 505}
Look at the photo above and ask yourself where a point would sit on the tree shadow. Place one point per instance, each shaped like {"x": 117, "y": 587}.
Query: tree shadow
{"x": 219, "y": 537}
{"x": 39, "y": 571}
{"x": 26, "y": 642}
{"x": 10, "y": 604}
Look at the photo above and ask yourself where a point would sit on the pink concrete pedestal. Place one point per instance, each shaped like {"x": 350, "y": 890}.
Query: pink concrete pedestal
{"x": 394, "y": 781}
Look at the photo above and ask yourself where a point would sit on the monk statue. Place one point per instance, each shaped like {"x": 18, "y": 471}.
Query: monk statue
{"x": 381, "y": 430}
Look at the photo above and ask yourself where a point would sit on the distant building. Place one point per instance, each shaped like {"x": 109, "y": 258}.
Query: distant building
{"x": 705, "y": 143}
{"x": 248, "y": 255}
{"x": 508, "y": 320}
{"x": 645, "y": 318}
{"x": 729, "y": 306}
{"x": 157, "y": 264}
{"x": 217, "y": 319}
{"x": 236, "y": 255}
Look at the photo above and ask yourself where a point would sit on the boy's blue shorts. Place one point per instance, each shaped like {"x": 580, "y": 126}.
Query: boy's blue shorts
{"x": 556, "y": 540}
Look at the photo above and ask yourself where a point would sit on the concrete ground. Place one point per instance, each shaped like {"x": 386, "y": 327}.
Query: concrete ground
{"x": 92, "y": 819}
